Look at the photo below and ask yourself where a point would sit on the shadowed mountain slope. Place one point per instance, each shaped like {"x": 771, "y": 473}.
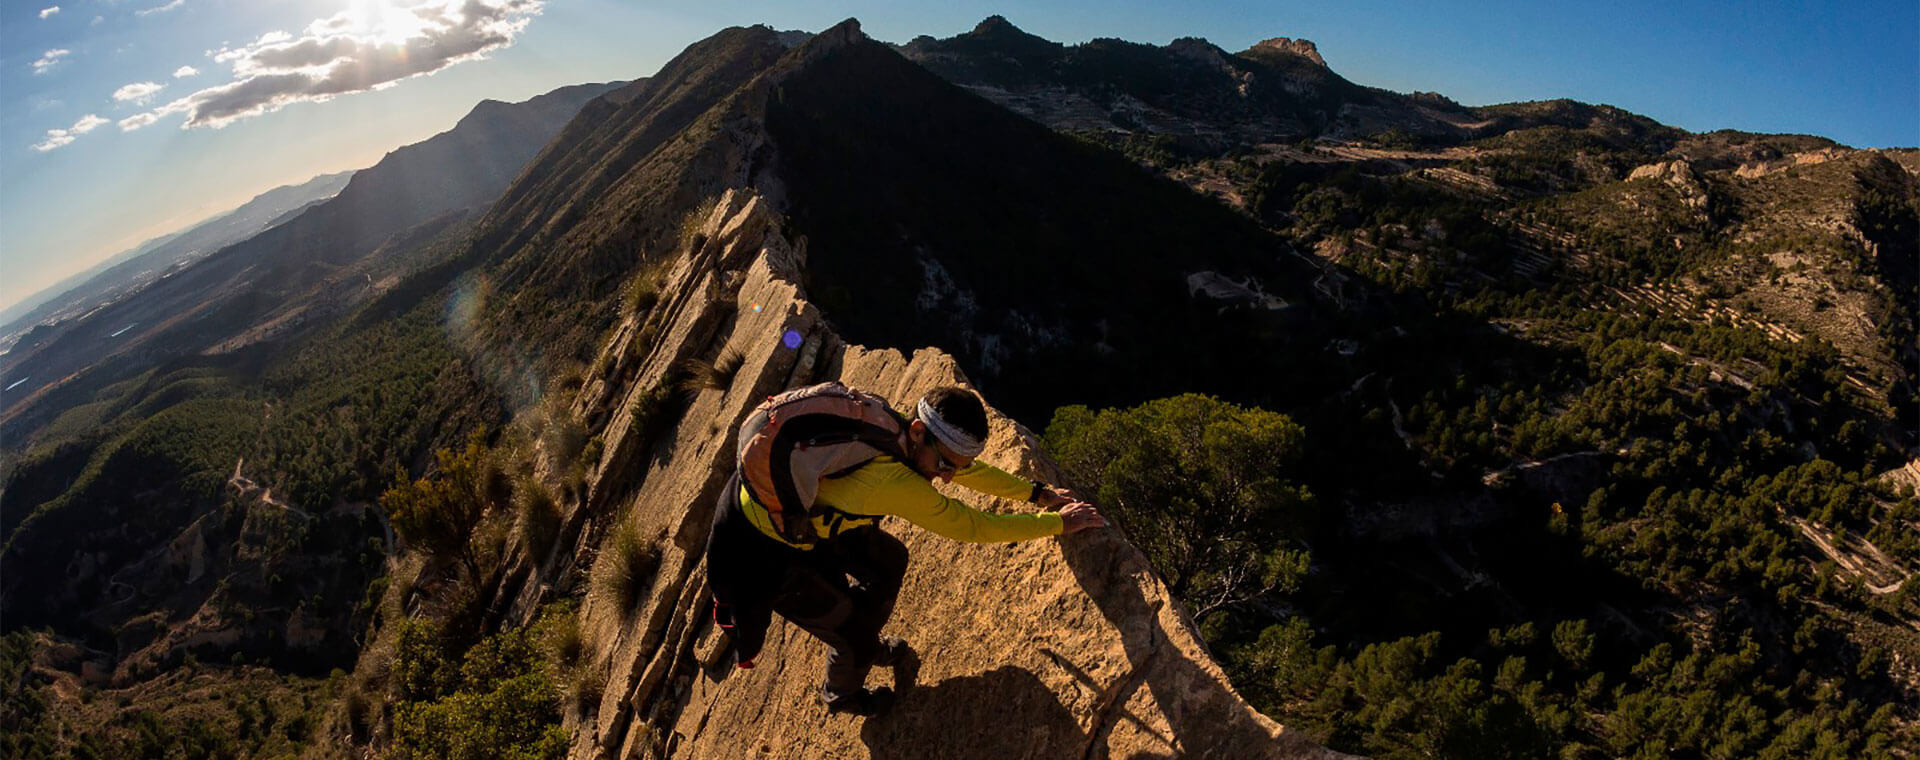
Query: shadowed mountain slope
{"x": 298, "y": 264}
{"x": 1008, "y": 243}
{"x": 679, "y": 191}
{"x": 1024, "y": 252}
{"x": 180, "y": 376}
{"x": 615, "y": 186}
{"x": 134, "y": 269}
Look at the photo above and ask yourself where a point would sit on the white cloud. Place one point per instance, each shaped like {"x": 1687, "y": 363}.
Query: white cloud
{"x": 160, "y": 8}
{"x": 138, "y": 91}
{"x": 60, "y": 137}
{"x": 45, "y": 12}
{"x": 48, "y": 59}
{"x": 138, "y": 120}
{"x": 97, "y": 20}
{"x": 184, "y": 72}
{"x": 366, "y": 48}
{"x": 55, "y": 138}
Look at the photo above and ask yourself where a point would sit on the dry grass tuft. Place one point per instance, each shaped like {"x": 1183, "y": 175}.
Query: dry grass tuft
{"x": 629, "y": 563}
{"x": 539, "y": 518}
{"x": 699, "y": 375}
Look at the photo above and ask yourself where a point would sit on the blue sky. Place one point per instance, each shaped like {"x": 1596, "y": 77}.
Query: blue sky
{"x": 127, "y": 119}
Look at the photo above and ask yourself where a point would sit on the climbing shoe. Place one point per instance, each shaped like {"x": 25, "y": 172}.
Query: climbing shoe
{"x": 905, "y": 662}
{"x": 865, "y": 702}
{"x": 893, "y": 651}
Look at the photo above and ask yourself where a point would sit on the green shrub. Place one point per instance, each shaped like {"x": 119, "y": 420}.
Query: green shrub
{"x": 439, "y": 513}
{"x": 590, "y": 454}
{"x": 1203, "y": 487}
{"x": 499, "y": 702}
{"x": 561, "y": 632}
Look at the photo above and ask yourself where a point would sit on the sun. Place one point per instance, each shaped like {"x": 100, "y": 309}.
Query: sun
{"x": 388, "y": 22}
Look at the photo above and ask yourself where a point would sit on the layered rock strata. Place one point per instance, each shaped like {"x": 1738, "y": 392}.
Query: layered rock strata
{"x": 1061, "y": 647}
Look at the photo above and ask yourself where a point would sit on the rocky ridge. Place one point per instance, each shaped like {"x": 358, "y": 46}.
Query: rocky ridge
{"x": 1206, "y": 100}
{"x": 1051, "y": 648}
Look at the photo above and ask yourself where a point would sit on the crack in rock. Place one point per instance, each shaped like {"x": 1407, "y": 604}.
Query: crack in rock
{"x": 1113, "y": 700}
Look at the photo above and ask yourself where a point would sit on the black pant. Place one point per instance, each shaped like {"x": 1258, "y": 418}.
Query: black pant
{"x": 842, "y": 591}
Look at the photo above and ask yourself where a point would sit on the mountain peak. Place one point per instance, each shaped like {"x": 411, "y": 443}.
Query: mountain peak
{"x": 840, "y": 36}
{"x": 1199, "y": 49}
{"x": 1303, "y": 48}
{"x": 482, "y": 111}
{"x": 844, "y": 33}
{"x": 996, "y": 24}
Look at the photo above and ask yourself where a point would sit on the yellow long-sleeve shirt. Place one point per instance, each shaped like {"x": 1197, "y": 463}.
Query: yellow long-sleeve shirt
{"x": 886, "y": 486}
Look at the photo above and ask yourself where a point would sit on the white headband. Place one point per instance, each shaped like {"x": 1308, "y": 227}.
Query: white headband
{"x": 952, "y": 437}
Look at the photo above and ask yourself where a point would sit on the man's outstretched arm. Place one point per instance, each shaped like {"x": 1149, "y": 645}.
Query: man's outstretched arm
{"x": 1076, "y": 515}
{"x": 887, "y": 487}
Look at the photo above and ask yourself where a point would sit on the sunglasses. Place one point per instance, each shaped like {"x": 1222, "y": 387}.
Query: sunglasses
{"x": 941, "y": 464}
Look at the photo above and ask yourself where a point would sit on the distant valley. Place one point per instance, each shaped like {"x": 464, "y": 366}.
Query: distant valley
{"x": 127, "y": 272}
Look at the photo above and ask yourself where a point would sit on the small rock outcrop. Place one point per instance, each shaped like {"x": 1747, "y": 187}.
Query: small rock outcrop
{"x": 1677, "y": 174}
{"x": 1672, "y": 172}
{"x": 1303, "y": 48}
{"x": 1201, "y": 51}
{"x": 1061, "y": 647}
{"x": 1757, "y": 169}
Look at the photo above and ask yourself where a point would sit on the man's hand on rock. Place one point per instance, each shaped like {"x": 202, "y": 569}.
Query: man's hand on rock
{"x": 1080, "y": 516}
{"x": 1052, "y": 497}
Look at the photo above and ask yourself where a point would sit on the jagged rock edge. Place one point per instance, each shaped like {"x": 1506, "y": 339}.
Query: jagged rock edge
{"x": 651, "y": 657}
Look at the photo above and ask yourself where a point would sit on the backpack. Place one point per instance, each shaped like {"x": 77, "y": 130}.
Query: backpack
{"x": 794, "y": 439}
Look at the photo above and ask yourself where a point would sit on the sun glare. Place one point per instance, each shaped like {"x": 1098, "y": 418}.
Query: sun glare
{"x": 389, "y": 22}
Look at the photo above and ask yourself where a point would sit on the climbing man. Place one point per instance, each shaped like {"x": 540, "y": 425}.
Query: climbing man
{"x": 797, "y": 528}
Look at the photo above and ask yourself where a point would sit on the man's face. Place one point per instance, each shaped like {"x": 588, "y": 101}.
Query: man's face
{"x": 933, "y": 460}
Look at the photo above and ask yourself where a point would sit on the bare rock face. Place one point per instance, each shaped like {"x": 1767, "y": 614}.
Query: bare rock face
{"x": 1674, "y": 172}
{"x": 1303, "y": 48}
{"x": 1060, "y": 647}
{"x": 1757, "y": 169}
{"x": 1065, "y": 647}
{"x": 1677, "y": 174}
